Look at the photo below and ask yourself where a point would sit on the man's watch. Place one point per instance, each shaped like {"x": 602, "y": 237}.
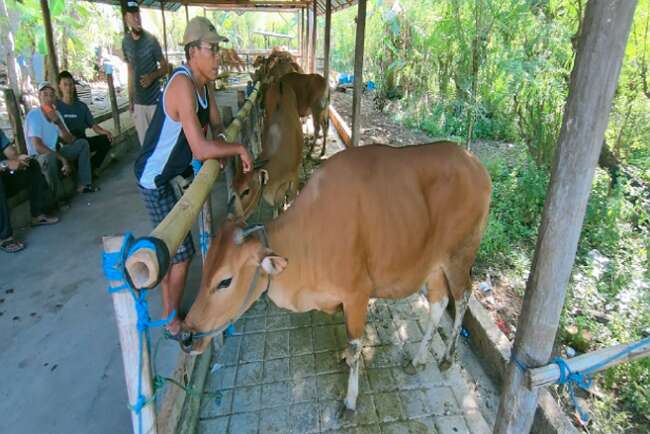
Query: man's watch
{"x": 4, "y": 165}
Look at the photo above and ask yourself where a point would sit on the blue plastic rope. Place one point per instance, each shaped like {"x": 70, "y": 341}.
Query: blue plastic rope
{"x": 113, "y": 265}
{"x": 204, "y": 241}
{"x": 583, "y": 379}
{"x": 196, "y": 166}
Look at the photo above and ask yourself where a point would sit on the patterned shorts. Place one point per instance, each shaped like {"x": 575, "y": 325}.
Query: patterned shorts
{"x": 159, "y": 203}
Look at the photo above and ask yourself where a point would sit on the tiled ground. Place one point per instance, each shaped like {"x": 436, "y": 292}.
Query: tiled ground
{"x": 280, "y": 373}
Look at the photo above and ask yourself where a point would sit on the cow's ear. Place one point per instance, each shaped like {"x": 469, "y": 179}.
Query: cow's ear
{"x": 273, "y": 264}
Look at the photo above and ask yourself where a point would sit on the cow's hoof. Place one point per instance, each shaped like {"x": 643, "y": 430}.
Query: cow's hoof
{"x": 445, "y": 364}
{"x": 348, "y": 408}
{"x": 410, "y": 369}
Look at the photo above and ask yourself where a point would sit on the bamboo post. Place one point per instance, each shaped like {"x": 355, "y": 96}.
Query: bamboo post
{"x": 52, "y": 64}
{"x": 299, "y": 22}
{"x": 114, "y": 108}
{"x": 187, "y": 14}
{"x": 550, "y": 374}
{"x": 314, "y": 38}
{"x": 328, "y": 31}
{"x": 305, "y": 39}
{"x": 340, "y": 125}
{"x": 127, "y": 327}
{"x": 593, "y": 81}
{"x": 15, "y": 119}
{"x": 162, "y": 12}
{"x": 358, "y": 71}
{"x": 143, "y": 265}
{"x": 123, "y": 9}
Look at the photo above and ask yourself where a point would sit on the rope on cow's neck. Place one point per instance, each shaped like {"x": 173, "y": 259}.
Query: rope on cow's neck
{"x": 251, "y": 289}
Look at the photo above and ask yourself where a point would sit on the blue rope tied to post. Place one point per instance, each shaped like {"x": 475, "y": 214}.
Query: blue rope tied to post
{"x": 583, "y": 379}
{"x": 113, "y": 265}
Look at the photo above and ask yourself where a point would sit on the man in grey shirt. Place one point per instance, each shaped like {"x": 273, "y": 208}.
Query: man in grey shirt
{"x": 147, "y": 65}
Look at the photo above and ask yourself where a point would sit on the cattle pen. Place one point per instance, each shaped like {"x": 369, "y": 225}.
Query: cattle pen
{"x": 522, "y": 370}
{"x": 292, "y": 359}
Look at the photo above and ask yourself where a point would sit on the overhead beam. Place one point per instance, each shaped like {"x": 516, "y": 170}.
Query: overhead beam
{"x": 605, "y": 30}
{"x": 358, "y": 71}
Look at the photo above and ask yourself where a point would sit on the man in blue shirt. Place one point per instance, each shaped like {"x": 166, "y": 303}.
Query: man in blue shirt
{"x": 17, "y": 172}
{"x": 44, "y": 126}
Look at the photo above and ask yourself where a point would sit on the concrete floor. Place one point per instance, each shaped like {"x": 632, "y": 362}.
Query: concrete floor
{"x": 62, "y": 364}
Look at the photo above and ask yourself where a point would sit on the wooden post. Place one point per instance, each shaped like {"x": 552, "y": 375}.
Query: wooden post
{"x": 314, "y": 39}
{"x": 305, "y": 39}
{"x": 15, "y": 119}
{"x": 52, "y": 64}
{"x": 187, "y": 14}
{"x": 143, "y": 265}
{"x": 358, "y": 71}
{"x": 299, "y": 20}
{"x": 114, "y": 108}
{"x": 162, "y": 12}
{"x": 123, "y": 9}
{"x": 550, "y": 374}
{"x": 9, "y": 45}
{"x": 593, "y": 81}
{"x": 328, "y": 31}
{"x": 127, "y": 327}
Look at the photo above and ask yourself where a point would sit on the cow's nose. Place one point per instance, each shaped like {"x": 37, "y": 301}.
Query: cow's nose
{"x": 185, "y": 340}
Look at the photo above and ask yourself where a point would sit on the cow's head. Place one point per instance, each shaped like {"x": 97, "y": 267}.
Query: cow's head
{"x": 228, "y": 285}
{"x": 247, "y": 191}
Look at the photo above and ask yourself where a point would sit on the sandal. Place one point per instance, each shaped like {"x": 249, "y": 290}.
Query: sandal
{"x": 44, "y": 220}
{"x": 89, "y": 189}
{"x": 10, "y": 245}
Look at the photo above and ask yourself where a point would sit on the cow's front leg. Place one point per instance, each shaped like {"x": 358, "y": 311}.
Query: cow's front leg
{"x": 353, "y": 359}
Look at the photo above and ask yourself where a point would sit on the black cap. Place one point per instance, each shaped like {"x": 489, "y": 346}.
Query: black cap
{"x": 132, "y": 6}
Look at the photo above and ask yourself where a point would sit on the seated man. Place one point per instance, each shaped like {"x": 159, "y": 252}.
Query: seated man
{"x": 17, "y": 172}
{"x": 77, "y": 118}
{"x": 43, "y": 127}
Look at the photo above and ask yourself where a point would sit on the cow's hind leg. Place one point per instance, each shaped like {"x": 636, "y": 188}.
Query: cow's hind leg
{"x": 355, "y": 314}
{"x": 437, "y": 295}
{"x": 460, "y": 288}
{"x": 324, "y": 120}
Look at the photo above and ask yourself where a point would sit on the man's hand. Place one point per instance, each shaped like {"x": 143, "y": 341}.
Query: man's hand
{"x": 66, "y": 170}
{"x": 109, "y": 136}
{"x": 50, "y": 113}
{"x": 24, "y": 160}
{"x": 246, "y": 160}
{"x": 146, "y": 80}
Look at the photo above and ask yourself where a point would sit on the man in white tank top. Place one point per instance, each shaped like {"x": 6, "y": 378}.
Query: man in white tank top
{"x": 176, "y": 133}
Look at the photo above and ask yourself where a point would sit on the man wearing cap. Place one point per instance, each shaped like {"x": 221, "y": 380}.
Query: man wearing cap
{"x": 146, "y": 64}
{"x": 176, "y": 134}
{"x": 44, "y": 127}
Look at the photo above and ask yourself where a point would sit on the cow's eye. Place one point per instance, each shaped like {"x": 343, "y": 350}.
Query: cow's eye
{"x": 245, "y": 192}
{"x": 225, "y": 283}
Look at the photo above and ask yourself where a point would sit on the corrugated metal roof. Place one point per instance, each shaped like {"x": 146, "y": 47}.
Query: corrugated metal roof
{"x": 337, "y": 5}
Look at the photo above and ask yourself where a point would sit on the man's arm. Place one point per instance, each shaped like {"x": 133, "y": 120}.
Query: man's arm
{"x": 180, "y": 103}
{"x": 163, "y": 69}
{"x": 64, "y": 133}
{"x": 216, "y": 124}
{"x": 131, "y": 81}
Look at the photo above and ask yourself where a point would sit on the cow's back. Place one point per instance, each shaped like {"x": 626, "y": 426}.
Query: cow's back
{"x": 388, "y": 215}
{"x": 309, "y": 88}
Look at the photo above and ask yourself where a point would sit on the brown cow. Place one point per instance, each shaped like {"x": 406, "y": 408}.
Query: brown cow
{"x": 312, "y": 92}
{"x": 230, "y": 60}
{"x": 373, "y": 221}
{"x": 282, "y": 143}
